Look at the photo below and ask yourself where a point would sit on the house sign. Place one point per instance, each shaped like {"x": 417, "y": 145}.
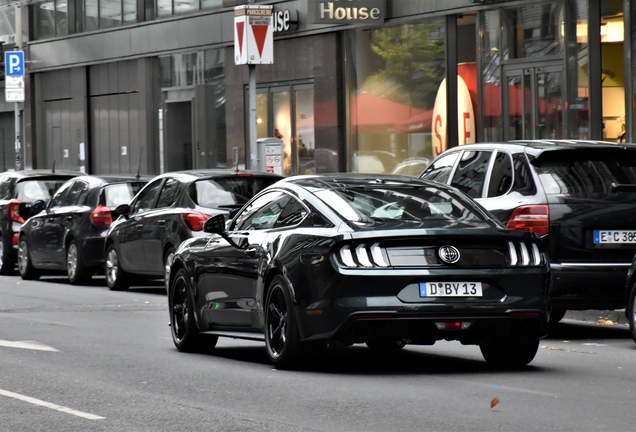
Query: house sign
{"x": 285, "y": 20}
{"x": 347, "y": 11}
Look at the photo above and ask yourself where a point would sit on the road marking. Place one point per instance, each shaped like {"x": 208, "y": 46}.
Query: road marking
{"x": 45, "y": 404}
{"x": 32, "y": 345}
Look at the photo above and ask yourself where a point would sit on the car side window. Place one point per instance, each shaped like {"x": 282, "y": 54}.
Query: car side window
{"x": 262, "y": 213}
{"x": 523, "y": 181}
{"x": 471, "y": 172}
{"x": 76, "y": 194}
{"x": 501, "y": 176}
{"x": 168, "y": 194}
{"x": 146, "y": 197}
{"x": 440, "y": 169}
{"x": 58, "y": 198}
{"x": 5, "y": 187}
{"x": 293, "y": 214}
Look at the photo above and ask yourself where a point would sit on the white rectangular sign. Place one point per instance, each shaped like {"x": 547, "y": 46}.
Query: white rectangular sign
{"x": 253, "y": 35}
{"x": 14, "y": 94}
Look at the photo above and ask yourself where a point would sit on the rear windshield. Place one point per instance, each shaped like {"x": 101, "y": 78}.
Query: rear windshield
{"x": 120, "y": 193}
{"x": 401, "y": 206}
{"x": 37, "y": 189}
{"x": 229, "y": 191}
{"x": 585, "y": 172}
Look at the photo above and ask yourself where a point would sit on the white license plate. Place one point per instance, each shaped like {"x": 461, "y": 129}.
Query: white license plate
{"x": 614, "y": 236}
{"x": 450, "y": 289}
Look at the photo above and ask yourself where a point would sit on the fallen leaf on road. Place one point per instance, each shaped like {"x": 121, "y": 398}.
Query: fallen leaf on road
{"x": 494, "y": 402}
{"x": 606, "y": 322}
{"x": 556, "y": 349}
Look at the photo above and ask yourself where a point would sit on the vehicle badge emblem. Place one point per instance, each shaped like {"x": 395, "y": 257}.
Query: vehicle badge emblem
{"x": 448, "y": 254}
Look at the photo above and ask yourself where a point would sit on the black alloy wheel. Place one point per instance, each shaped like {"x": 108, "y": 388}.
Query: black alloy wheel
{"x": 281, "y": 331}
{"x": 185, "y": 334}
{"x": 25, "y": 267}
{"x": 510, "y": 353}
{"x": 116, "y": 278}
{"x": 631, "y": 311}
{"x": 7, "y": 264}
{"x": 77, "y": 273}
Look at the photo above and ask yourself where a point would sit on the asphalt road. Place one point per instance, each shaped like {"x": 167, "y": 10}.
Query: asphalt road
{"x": 88, "y": 359}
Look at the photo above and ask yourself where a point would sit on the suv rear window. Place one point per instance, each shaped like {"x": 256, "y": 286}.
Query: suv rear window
{"x": 585, "y": 171}
{"x": 228, "y": 191}
{"x": 40, "y": 189}
{"x": 120, "y": 193}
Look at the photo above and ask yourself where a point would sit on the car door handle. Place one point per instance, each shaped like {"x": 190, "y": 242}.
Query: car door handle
{"x": 161, "y": 222}
{"x": 139, "y": 227}
{"x": 69, "y": 218}
{"x": 251, "y": 252}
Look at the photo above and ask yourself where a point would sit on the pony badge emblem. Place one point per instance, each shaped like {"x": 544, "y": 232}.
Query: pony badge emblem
{"x": 448, "y": 254}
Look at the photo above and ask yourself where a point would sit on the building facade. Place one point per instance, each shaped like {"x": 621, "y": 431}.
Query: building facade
{"x": 121, "y": 86}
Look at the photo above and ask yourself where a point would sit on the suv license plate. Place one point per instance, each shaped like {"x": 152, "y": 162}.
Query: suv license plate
{"x": 450, "y": 289}
{"x": 614, "y": 236}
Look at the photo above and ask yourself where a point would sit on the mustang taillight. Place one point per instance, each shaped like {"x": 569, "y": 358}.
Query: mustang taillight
{"x": 13, "y": 211}
{"x": 102, "y": 217}
{"x": 365, "y": 256}
{"x": 194, "y": 220}
{"x": 525, "y": 254}
{"x": 534, "y": 218}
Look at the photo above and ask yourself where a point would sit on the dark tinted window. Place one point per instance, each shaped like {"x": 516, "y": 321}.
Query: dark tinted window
{"x": 37, "y": 189}
{"x": 168, "y": 194}
{"x": 471, "y": 172}
{"x": 76, "y": 194}
{"x": 441, "y": 169}
{"x": 585, "y": 171}
{"x": 501, "y": 176}
{"x": 293, "y": 214}
{"x": 120, "y": 193}
{"x": 262, "y": 213}
{"x": 146, "y": 197}
{"x": 58, "y": 198}
{"x": 228, "y": 191}
{"x": 523, "y": 180}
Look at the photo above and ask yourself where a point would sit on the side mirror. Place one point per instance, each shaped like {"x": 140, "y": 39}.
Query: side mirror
{"x": 215, "y": 225}
{"x": 123, "y": 209}
{"x": 38, "y": 205}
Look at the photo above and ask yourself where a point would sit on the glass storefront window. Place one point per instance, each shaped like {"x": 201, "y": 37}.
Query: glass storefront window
{"x": 305, "y": 134}
{"x": 45, "y": 19}
{"x": 130, "y": 11}
{"x": 281, "y": 116}
{"x": 393, "y": 75}
{"x": 533, "y": 31}
{"x": 91, "y": 22}
{"x": 612, "y": 66}
{"x": 490, "y": 43}
{"x": 577, "y": 63}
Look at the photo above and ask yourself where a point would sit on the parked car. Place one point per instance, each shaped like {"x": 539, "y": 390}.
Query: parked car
{"x": 376, "y": 259}
{"x": 579, "y": 196}
{"x": 69, "y": 234}
{"x": 412, "y": 166}
{"x": 170, "y": 209}
{"x": 18, "y": 191}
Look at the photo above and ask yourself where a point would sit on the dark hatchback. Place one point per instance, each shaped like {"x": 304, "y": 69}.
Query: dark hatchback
{"x": 18, "y": 191}
{"x": 169, "y": 210}
{"x": 376, "y": 259}
{"x": 69, "y": 234}
{"x": 579, "y": 196}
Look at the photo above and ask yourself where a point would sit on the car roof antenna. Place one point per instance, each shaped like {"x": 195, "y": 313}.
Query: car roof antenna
{"x": 53, "y": 169}
{"x": 139, "y": 166}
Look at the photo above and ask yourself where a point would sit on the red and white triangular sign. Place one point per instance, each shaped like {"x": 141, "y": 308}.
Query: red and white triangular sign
{"x": 256, "y": 44}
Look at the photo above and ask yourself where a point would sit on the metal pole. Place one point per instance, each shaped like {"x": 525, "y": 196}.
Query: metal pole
{"x": 19, "y": 157}
{"x": 253, "y": 156}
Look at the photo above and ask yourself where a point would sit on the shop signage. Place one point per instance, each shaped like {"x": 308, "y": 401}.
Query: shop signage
{"x": 347, "y": 11}
{"x": 465, "y": 117}
{"x": 253, "y": 35}
{"x": 285, "y": 20}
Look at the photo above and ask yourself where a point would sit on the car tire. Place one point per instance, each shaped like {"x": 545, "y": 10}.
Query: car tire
{"x": 281, "y": 330}
{"x": 7, "y": 264}
{"x": 510, "y": 353}
{"x": 631, "y": 311}
{"x": 556, "y": 316}
{"x": 25, "y": 266}
{"x": 116, "y": 278}
{"x": 185, "y": 334}
{"x": 77, "y": 273}
{"x": 385, "y": 346}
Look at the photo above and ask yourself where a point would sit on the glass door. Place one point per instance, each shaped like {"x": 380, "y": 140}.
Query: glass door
{"x": 533, "y": 102}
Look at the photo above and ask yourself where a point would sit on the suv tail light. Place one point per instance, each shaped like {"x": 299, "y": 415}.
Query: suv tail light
{"x": 102, "y": 217}
{"x": 13, "y": 211}
{"x": 534, "y": 218}
{"x": 194, "y": 220}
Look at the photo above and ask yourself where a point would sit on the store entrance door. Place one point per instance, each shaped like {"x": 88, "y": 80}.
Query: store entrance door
{"x": 178, "y": 148}
{"x": 533, "y": 101}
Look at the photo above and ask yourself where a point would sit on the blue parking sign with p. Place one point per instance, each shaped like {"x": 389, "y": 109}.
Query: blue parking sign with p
{"x": 14, "y": 63}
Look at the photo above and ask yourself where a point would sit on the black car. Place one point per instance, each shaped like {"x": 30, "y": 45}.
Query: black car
{"x": 18, "y": 191}
{"x": 579, "y": 196}
{"x": 377, "y": 259}
{"x": 69, "y": 234}
{"x": 170, "y": 209}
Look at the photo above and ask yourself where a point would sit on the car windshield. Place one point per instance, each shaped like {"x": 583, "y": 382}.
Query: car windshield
{"x": 400, "y": 206}
{"x": 37, "y": 189}
{"x": 228, "y": 191}
{"x": 586, "y": 171}
{"x": 121, "y": 193}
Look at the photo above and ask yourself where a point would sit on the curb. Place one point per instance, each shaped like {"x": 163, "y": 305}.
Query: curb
{"x": 600, "y": 317}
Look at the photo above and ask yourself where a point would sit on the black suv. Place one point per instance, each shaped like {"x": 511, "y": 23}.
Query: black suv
{"x": 18, "y": 191}
{"x": 578, "y": 196}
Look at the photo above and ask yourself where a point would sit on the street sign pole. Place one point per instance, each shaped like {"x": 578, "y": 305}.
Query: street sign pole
{"x": 19, "y": 159}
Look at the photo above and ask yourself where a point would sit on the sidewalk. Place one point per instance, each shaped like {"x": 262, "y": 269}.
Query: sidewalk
{"x": 600, "y": 317}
